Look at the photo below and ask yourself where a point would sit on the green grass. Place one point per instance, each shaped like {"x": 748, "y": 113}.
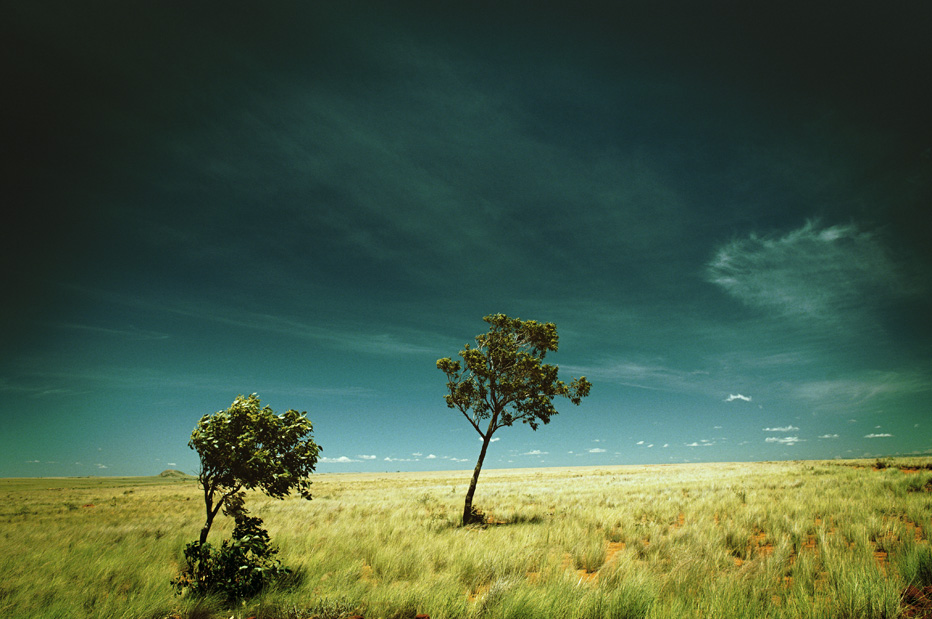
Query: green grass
{"x": 804, "y": 539}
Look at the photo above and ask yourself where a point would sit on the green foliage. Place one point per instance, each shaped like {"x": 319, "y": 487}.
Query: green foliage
{"x": 240, "y": 568}
{"x": 247, "y": 447}
{"x": 242, "y": 448}
{"x": 503, "y": 380}
{"x": 504, "y": 377}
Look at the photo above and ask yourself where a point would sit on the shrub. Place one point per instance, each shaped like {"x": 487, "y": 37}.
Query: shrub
{"x": 240, "y": 568}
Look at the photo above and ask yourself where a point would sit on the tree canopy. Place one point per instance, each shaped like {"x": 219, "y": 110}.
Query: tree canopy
{"x": 248, "y": 447}
{"x": 503, "y": 380}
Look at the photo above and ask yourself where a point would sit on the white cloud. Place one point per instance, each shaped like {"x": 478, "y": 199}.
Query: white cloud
{"x": 596, "y": 450}
{"x": 829, "y": 436}
{"x": 431, "y": 457}
{"x": 492, "y": 441}
{"x": 535, "y": 452}
{"x": 639, "y": 443}
{"x": 365, "y": 457}
{"x": 814, "y": 272}
{"x": 783, "y": 429}
{"x": 666, "y": 444}
{"x": 170, "y": 464}
{"x": 872, "y": 435}
{"x": 865, "y": 386}
{"x": 786, "y": 440}
{"x": 651, "y": 445}
{"x": 702, "y": 443}
{"x": 737, "y": 396}
{"x": 340, "y": 460}
{"x": 101, "y": 466}
{"x": 633, "y": 374}
{"x": 417, "y": 454}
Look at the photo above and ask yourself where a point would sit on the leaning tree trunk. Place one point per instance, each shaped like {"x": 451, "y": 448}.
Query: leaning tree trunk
{"x": 468, "y": 516}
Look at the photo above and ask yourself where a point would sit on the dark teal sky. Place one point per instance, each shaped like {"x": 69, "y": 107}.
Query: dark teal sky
{"x": 724, "y": 207}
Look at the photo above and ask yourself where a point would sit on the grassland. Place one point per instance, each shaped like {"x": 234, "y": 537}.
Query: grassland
{"x": 788, "y": 539}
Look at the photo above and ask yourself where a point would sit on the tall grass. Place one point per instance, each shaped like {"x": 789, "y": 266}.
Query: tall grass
{"x": 807, "y": 539}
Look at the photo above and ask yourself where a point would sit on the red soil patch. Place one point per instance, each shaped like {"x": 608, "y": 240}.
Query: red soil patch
{"x": 915, "y": 528}
{"x": 917, "y": 602}
{"x": 880, "y": 557}
{"x": 613, "y": 549}
{"x": 760, "y": 545}
{"x": 584, "y": 576}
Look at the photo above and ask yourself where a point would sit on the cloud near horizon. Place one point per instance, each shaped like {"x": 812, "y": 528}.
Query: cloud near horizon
{"x": 786, "y": 440}
{"x": 340, "y": 460}
{"x": 737, "y": 396}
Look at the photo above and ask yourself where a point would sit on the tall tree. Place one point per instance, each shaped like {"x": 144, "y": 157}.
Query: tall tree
{"x": 503, "y": 379}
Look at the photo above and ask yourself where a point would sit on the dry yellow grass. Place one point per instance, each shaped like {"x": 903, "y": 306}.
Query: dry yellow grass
{"x": 788, "y": 539}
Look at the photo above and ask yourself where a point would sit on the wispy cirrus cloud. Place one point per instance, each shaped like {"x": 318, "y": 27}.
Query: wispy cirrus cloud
{"x": 782, "y": 429}
{"x": 819, "y": 273}
{"x": 653, "y": 377}
{"x": 878, "y": 435}
{"x": 737, "y": 396}
{"x": 128, "y": 333}
{"x": 865, "y": 386}
{"x": 352, "y": 337}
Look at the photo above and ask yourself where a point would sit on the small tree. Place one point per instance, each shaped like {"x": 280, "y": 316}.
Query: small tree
{"x": 504, "y": 380}
{"x": 242, "y": 448}
{"x": 247, "y": 447}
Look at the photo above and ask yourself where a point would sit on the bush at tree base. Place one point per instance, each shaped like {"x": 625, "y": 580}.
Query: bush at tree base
{"x": 239, "y": 569}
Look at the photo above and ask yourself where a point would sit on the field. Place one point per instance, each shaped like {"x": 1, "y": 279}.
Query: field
{"x": 787, "y": 539}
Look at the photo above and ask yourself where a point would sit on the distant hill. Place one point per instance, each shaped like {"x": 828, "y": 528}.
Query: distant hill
{"x": 173, "y": 473}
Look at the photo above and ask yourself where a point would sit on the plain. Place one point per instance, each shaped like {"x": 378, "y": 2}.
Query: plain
{"x": 779, "y": 539}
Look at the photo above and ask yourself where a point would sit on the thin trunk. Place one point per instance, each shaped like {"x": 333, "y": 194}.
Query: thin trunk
{"x": 468, "y": 516}
{"x": 212, "y": 511}
{"x": 211, "y": 514}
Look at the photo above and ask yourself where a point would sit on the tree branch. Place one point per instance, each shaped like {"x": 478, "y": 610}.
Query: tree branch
{"x": 471, "y": 421}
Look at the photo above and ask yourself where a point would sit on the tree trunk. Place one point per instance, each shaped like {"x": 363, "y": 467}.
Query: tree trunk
{"x": 212, "y": 511}
{"x": 206, "y": 529}
{"x": 468, "y": 516}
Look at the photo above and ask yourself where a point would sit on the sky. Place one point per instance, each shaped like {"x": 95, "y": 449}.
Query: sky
{"x": 724, "y": 208}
